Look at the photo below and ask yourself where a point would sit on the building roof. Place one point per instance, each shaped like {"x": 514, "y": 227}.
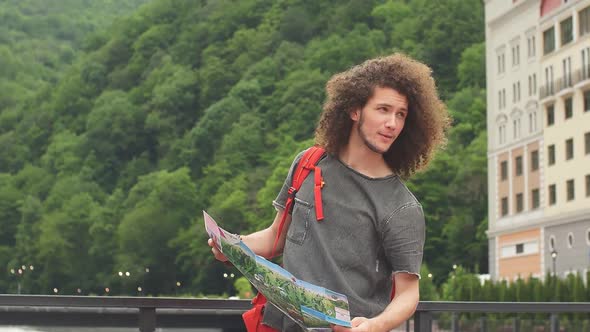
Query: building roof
{"x": 548, "y": 6}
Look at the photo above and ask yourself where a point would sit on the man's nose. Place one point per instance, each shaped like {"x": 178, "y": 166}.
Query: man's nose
{"x": 391, "y": 122}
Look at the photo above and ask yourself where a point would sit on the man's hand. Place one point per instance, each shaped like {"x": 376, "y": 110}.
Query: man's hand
{"x": 218, "y": 255}
{"x": 359, "y": 324}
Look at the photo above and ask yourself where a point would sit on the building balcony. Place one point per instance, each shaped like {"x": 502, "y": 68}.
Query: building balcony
{"x": 565, "y": 84}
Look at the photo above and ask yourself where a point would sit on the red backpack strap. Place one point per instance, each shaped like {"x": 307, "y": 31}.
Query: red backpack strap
{"x": 306, "y": 164}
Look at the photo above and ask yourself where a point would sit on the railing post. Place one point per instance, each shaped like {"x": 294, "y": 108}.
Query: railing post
{"x": 554, "y": 323}
{"x": 516, "y": 324}
{"x": 147, "y": 319}
{"x": 407, "y": 325}
{"x": 455, "y": 323}
{"x": 482, "y": 324}
{"x": 423, "y": 321}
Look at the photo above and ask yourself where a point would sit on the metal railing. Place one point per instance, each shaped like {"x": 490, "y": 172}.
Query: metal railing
{"x": 565, "y": 82}
{"x": 423, "y": 317}
{"x": 147, "y": 313}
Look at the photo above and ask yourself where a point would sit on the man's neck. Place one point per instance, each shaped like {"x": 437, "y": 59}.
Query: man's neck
{"x": 365, "y": 161}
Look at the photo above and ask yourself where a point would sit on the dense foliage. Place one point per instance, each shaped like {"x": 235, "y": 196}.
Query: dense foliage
{"x": 113, "y": 138}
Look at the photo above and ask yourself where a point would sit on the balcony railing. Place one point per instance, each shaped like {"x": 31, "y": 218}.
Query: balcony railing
{"x": 148, "y": 313}
{"x": 564, "y": 82}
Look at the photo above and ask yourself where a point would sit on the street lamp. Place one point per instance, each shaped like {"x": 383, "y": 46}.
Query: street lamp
{"x": 228, "y": 281}
{"x": 124, "y": 282}
{"x": 178, "y": 284}
{"x": 18, "y": 273}
{"x": 554, "y": 258}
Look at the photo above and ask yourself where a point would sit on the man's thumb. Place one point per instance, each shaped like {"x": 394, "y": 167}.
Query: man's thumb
{"x": 358, "y": 321}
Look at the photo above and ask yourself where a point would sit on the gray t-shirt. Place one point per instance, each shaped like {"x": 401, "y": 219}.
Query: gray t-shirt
{"x": 372, "y": 227}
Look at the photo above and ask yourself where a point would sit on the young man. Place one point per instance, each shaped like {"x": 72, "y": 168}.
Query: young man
{"x": 382, "y": 121}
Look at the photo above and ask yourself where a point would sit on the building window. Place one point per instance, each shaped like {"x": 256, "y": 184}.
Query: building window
{"x": 587, "y": 143}
{"x": 584, "y": 19}
{"x": 567, "y": 31}
{"x": 532, "y": 121}
{"x": 587, "y": 101}
{"x": 516, "y": 128}
{"x": 568, "y": 106}
{"x": 569, "y": 149}
{"x": 520, "y": 248}
{"x": 515, "y": 55}
{"x": 519, "y": 202}
{"x": 552, "y": 195}
{"x": 516, "y": 92}
{"x": 513, "y": 92}
{"x": 504, "y": 170}
{"x": 504, "y": 206}
{"x": 551, "y": 154}
{"x": 588, "y": 185}
{"x": 549, "y": 40}
{"x": 567, "y": 72}
{"x": 531, "y": 46}
{"x": 550, "y": 115}
{"x": 518, "y": 165}
{"x": 532, "y": 84}
{"x": 501, "y": 64}
{"x": 586, "y": 63}
{"x": 548, "y": 82}
{"x": 534, "y": 160}
{"x": 570, "y": 189}
{"x": 502, "y": 133}
{"x": 502, "y": 99}
{"x": 535, "y": 199}
{"x": 570, "y": 240}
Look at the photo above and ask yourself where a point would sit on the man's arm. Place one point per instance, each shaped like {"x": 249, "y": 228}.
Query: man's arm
{"x": 262, "y": 242}
{"x": 401, "y": 308}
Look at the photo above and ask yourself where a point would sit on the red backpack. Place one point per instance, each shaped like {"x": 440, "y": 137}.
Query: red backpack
{"x": 311, "y": 157}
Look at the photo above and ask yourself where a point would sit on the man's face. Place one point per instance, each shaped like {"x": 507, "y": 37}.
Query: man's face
{"x": 381, "y": 120}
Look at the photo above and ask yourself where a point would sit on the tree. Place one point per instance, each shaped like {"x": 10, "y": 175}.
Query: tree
{"x": 471, "y": 69}
{"x": 157, "y": 207}
{"x": 10, "y": 198}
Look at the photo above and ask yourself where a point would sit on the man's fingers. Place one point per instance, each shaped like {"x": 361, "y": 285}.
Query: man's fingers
{"x": 218, "y": 254}
{"x": 358, "y": 321}
{"x": 338, "y": 328}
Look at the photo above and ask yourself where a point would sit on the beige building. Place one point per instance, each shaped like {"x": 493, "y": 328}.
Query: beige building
{"x": 538, "y": 121}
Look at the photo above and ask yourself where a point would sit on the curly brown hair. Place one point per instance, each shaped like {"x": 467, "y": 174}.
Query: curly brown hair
{"x": 427, "y": 122}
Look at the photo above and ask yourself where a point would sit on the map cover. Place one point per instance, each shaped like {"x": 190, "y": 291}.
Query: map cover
{"x": 313, "y": 307}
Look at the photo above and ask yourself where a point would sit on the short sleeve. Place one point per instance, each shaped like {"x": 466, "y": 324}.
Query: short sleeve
{"x": 403, "y": 239}
{"x": 281, "y": 199}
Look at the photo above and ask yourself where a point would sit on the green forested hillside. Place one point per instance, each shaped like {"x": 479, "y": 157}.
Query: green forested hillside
{"x": 106, "y": 164}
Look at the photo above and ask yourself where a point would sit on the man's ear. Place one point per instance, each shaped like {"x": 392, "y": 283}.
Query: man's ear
{"x": 355, "y": 115}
